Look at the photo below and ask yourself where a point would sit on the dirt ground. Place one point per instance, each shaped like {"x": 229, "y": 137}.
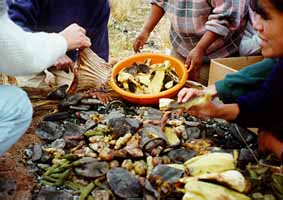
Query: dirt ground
{"x": 16, "y": 182}
{"x": 123, "y": 29}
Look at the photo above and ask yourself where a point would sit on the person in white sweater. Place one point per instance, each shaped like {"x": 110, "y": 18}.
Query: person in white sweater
{"x": 23, "y": 53}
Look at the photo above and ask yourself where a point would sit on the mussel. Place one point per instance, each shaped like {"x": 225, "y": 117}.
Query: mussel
{"x": 123, "y": 184}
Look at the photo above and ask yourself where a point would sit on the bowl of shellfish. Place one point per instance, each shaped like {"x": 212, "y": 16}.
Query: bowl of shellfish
{"x": 145, "y": 78}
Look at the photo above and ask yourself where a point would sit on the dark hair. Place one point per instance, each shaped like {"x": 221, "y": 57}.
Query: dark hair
{"x": 255, "y": 5}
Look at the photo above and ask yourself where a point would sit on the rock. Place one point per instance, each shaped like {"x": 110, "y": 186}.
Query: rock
{"x": 48, "y": 193}
{"x": 37, "y": 152}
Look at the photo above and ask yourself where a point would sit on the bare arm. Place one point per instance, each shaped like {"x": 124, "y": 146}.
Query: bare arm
{"x": 195, "y": 58}
{"x": 186, "y": 94}
{"x": 228, "y": 112}
{"x": 206, "y": 40}
{"x": 156, "y": 13}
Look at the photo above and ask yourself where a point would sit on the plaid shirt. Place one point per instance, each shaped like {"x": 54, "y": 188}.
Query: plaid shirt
{"x": 190, "y": 19}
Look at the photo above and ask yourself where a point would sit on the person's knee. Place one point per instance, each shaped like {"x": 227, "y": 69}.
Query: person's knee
{"x": 15, "y": 104}
{"x": 15, "y": 115}
{"x": 24, "y": 106}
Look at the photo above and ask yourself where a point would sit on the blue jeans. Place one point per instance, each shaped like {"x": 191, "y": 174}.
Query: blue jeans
{"x": 15, "y": 115}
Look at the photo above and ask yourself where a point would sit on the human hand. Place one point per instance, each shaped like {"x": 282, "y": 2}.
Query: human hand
{"x": 103, "y": 97}
{"x": 76, "y": 37}
{"x": 264, "y": 139}
{"x": 49, "y": 79}
{"x": 186, "y": 94}
{"x": 140, "y": 41}
{"x": 204, "y": 111}
{"x": 64, "y": 63}
{"x": 194, "y": 62}
{"x": 268, "y": 142}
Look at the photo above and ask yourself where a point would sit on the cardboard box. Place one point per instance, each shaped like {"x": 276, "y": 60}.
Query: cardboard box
{"x": 221, "y": 66}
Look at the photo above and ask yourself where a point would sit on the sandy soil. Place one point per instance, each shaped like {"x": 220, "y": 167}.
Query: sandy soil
{"x": 15, "y": 180}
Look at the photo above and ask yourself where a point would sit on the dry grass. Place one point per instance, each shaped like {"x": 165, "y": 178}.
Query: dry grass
{"x": 163, "y": 29}
{"x": 126, "y": 22}
{"x": 122, "y": 9}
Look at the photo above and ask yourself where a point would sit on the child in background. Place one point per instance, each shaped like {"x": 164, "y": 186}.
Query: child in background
{"x": 200, "y": 31}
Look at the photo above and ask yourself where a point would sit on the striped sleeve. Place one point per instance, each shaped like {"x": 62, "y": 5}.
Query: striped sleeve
{"x": 226, "y": 16}
{"x": 159, "y": 3}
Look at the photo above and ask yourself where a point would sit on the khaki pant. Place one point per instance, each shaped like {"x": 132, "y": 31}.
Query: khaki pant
{"x": 204, "y": 70}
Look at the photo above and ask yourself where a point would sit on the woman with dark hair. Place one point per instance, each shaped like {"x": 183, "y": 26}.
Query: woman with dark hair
{"x": 261, "y": 107}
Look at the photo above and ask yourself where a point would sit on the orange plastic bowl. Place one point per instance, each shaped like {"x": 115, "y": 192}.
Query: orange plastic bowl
{"x": 146, "y": 99}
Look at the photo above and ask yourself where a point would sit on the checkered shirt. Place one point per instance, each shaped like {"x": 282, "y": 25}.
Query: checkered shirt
{"x": 190, "y": 19}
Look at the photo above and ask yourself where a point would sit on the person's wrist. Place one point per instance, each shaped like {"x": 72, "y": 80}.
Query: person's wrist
{"x": 278, "y": 151}
{"x": 227, "y": 111}
{"x": 146, "y": 31}
{"x": 211, "y": 90}
{"x": 215, "y": 111}
{"x": 275, "y": 146}
{"x": 219, "y": 111}
{"x": 200, "y": 48}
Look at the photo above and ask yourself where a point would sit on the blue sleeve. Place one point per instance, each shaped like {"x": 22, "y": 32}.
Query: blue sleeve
{"x": 25, "y": 13}
{"x": 263, "y": 107}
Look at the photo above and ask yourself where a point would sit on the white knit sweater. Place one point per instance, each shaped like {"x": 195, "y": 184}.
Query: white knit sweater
{"x": 23, "y": 53}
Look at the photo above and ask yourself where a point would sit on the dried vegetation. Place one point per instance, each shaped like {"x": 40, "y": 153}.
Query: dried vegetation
{"x": 126, "y": 22}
